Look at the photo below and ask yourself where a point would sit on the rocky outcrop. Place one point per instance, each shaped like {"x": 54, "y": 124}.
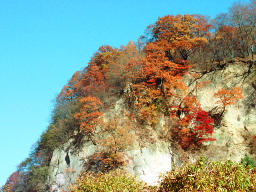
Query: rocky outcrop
{"x": 63, "y": 173}
{"x": 149, "y": 161}
{"x": 238, "y": 120}
{"x": 146, "y": 163}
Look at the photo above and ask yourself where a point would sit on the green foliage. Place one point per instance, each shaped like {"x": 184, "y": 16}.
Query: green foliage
{"x": 210, "y": 176}
{"x": 247, "y": 161}
{"x": 59, "y": 131}
{"x": 51, "y": 139}
{"x": 33, "y": 172}
{"x": 117, "y": 181}
{"x": 38, "y": 178}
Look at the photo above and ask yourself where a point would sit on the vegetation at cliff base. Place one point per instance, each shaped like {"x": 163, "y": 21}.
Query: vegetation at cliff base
{"x": 114, "y": 181}
{"x": 210, "y": 176}
{"x": 200, "y": 176}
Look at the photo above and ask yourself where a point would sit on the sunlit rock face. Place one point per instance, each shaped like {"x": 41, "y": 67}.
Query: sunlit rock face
{"x": 63, "y": 173}
{"x": 146, "y": 163}
{"x": 149, "y": 162}
{"x": 238, "y": 120}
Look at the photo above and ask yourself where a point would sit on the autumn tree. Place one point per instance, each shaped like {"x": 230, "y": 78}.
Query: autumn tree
{"x": 224, "y": 43}
{"x": 182, "y": 35}
{"x": 244, "y": 19}
{"x": 89, "y": 114}
{"x": 118, "y": 74}
{"x": 32, "y": 173}
{"x": 117, "y": 136}
{"x": 94, "y": 80}
{"x": 193, "y": 129}
{"x": 228, "y": 97}
{"x": 160, "y": 78}
{"x": 174, "y": 39}
{"x": 114, "y": 137}
{"x": 203, "y": 127}
{"x": 11, "y": 183}
{"x": 130, "y": 50}
{"x": 71, "y": 90}
{"x": 235, "y": 31}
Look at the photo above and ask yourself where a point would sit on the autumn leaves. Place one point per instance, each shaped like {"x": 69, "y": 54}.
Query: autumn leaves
{"x": 89, "y": 114}
{"x": 152, "y": 81}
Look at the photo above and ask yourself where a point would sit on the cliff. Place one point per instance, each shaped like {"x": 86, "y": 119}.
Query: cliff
{"x": 147, "y": 162}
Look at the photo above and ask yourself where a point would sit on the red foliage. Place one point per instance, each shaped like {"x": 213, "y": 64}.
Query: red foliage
{"x": 203, "y": 128}
{"x": 195, "y": 128}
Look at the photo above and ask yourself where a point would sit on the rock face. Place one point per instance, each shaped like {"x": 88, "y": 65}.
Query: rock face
{"x": 238, "y": 120}
{"x": 63, "y": 173}
{"x": 149, "y": 161}
{"x": 146, "y": 163}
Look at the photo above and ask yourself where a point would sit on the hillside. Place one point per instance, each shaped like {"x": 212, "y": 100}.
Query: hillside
{"x": 184, "y": 90}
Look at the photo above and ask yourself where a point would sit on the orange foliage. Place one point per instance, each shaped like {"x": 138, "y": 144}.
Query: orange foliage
{"x": 11, "y": 183}
{"x": 116, "y": 135}
{"x": 89, "y": 114}
{"x": 228, "y": 97}
{"x": 183, "y": 34}
{"x": 176, "y": 37}
{"x": 226, "y": 32}
{"x": 94, "y": 80}
{"x": 159, "y": 80}
{"x": 156, "y": 77}
{"x": 159, "y": 71}
{"x": 130, "y": 50}
{"x": 107, "y": 161}
{"x": 70, "y": 90}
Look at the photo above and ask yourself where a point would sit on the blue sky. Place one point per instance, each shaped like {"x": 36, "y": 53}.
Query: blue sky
{"x": 43, "y": 42}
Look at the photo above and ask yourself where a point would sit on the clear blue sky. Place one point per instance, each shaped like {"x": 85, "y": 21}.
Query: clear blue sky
{"x": 43, "y": 42}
